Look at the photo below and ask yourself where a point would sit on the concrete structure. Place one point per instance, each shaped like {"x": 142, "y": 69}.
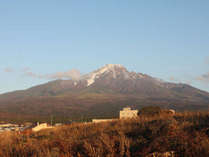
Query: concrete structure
{"x": 128, "y": 113}
{"x": 101, "y": 120}
{"x": 41, "y": 127}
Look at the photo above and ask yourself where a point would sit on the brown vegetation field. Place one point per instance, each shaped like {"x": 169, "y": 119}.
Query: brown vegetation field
{"x": 187, "y": 134}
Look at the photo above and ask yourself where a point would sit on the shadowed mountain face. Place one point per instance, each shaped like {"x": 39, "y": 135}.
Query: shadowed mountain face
{"x": 102, "y": 93}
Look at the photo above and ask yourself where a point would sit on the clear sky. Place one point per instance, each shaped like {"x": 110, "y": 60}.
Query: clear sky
{"x": 167, "y": 39}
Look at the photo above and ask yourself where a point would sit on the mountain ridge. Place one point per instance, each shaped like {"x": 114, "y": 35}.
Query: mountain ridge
{"x": 102, "y": 93}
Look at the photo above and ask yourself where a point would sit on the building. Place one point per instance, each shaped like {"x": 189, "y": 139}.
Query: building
{"x": 41, "y": 126}
{"x": 125, "y": 113}
{"x": 128, "y": 113}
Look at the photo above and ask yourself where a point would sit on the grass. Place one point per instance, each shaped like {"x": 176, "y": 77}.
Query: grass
{"x": 187, "y": 134}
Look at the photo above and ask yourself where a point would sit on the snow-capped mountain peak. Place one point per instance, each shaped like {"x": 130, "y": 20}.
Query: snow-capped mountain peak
{"x": 90, "y": 78}
{"x": 111, "y": 66}
{"x": 114, "y": 72}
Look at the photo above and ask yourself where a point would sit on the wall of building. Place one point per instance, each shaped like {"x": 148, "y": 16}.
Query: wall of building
{"x": 128, "y": 113}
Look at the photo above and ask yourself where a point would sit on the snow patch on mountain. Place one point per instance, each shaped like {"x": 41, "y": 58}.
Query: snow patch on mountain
{"x": 75, "y": 83}
{"x": 140, "y": 75}
{"x": 107, "y": 68}
{"x": 91, "y": 80}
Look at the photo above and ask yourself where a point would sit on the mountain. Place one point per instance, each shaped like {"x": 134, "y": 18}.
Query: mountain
{"x": 102, "y": 93}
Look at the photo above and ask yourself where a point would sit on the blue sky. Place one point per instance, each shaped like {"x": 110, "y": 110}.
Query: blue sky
{"x": 167, "y": 39}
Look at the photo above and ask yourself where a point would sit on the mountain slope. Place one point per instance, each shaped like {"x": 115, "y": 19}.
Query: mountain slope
{"x": 102, "y": 93}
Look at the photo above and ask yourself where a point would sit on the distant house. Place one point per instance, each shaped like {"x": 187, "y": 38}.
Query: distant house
{"x": 41, "y": 127}
{"x": 128, "y": 113}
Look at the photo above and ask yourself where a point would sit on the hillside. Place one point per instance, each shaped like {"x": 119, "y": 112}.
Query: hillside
{"x": 185, "y": 134}
{"x": 102, "y": 93}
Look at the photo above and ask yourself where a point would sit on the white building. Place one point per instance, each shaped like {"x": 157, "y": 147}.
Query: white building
{"x": 128, "y": 113}
{"x": 41, "y": 126}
